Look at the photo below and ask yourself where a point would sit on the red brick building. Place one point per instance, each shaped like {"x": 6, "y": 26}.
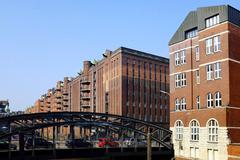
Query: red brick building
{"x": 204, "y": 90}
{"x": 125, "y": 82}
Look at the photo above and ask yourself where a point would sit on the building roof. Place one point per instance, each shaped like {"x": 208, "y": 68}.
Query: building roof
{"x": 140, "y": 53}
{"x": 196, "y": 19}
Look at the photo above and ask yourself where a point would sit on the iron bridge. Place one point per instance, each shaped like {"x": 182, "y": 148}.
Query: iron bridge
{"x": 30, "y": 123}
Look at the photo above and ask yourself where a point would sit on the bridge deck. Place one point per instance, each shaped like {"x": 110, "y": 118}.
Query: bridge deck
{"x": 93, "y": 153}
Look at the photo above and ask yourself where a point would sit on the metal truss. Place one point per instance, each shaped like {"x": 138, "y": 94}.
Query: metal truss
{"x": 13, "y": 125}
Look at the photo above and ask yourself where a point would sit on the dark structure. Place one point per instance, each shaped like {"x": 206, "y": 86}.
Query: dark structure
{"x": 113, "y": 125}
{"x": 4, "y": 107}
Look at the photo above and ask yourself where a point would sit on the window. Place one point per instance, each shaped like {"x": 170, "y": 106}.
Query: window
{"x": 194, "y": 127}
{"x": 197, "y": 77}
{"x": 183, "y": 57}
{"x": 213, "y": 154}
{"x": 217, "y": 44}
{"x": 217, "y": 70}
{"x": 183, "y": 80}
{"x": 179, "y": 130}
{"x": 194, "y": 152}
{"x": 198, "y": 102}
{"x": 209, "y": 72}
{"x": 212, "y": 21}
{"x": 218, "y": 99}
{"x": 183, "y": 104}
{"x": 180, "y": 80}
{"x": 177, "y": 80}
{"x": 177, "y": 105}
{"x": 180, "y": 58}
{"x": 209, "y": 46}
{"x": 177, "y": 59}
{"x": 209, "y": 100}
{"x": 197, "y": 53}
{"x": 212, "y": 130}
{"x": 191, "y": 33}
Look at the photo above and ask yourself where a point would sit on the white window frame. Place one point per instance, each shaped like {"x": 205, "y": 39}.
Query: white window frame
{"x": 197, "y": 53}
{"x": 212, "y": 126}
{"x": 209, "y": 70}
{"x": 209, "y": 46}
{"x": 183, "y": 79}
{"x": 177, "y": 105}
{"x": 194, "y": 129}
{"x": 197, "y": 76}
{"x": 177, "y": 80}
{"x": 183, "y": 103}
{"x": 209, "y": 100}
{"x": 194, "y": 152}
{"x": 217, "y": 70}
{"x": 177, "y": 59}
{"x": 209, "y": 22}
{"x": 217, "y": 43}
{"x": 179, "y": 130}
{"x": 218, "y": 99}
{"x": 183, "y": 57}
{"x": 198, "y": 102}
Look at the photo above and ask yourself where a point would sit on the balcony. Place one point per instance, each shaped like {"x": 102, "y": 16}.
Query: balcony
{"x": 65, "y": 98}
{"x": 85, "y": 106}
{"x": 85, "y": 89}
{"x": 65, "y": 92}
{"x": 85, "y": 97}
{"x": 85, "y": 81}
{"x": 58, "y": 101}
{"x": 65, "y": 104}
{"x": 58, "y": 95}
{"x": 59, "y": 107}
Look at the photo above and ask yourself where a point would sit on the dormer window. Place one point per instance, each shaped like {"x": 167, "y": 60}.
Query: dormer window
{"x": 191, "y": 33}
{"x": 211, "y": 21}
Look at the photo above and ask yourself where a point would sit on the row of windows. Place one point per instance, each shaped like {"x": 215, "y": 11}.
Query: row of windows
{"x": 213, "y": 68}
{"x": 180, "y": 58}
{"x": 212, "y": 21}
{"x": 213, "y": 45}
{"x": 212, "y": 128}
{"x": 213, "y": 71}
{"x": 180, "y": 104}
{"x": 215, "y": 41}
{"x": 212, "y": 100}
{"x": 180, "y": 80}
{"x": 217, "y": 99}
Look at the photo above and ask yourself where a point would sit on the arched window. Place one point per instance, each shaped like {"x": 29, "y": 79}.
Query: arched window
{"x": 218, "y": 99}
{"x": 212, "y": 130}
{"x": 183, "y": 104}
{"x": 177, "y": 105}
{"x": 179, "y": 130}
{"x": 194, "y": 127}
{"x": 209, "y": 100}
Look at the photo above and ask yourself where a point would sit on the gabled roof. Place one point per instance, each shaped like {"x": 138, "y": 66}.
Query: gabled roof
{"x": 196, "y": 19}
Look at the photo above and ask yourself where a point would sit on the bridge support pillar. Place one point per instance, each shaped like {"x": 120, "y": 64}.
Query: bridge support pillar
{"x": 21, "y": 145}
{"x": 72, "y": 135}
{"x": 9, "y": 144}
{"x": 54, "y": 142}
{"x": 149, "y": 146}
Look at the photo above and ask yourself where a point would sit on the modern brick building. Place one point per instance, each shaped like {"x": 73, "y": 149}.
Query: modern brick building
{"x": 204, "y": 89}
{"x": 125, "y": 82}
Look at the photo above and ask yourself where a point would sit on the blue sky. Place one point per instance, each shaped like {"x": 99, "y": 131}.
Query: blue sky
{"x": 43, "y": 41}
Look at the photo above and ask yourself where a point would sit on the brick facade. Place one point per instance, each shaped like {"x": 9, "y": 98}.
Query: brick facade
{"x": 226, "y": 114}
